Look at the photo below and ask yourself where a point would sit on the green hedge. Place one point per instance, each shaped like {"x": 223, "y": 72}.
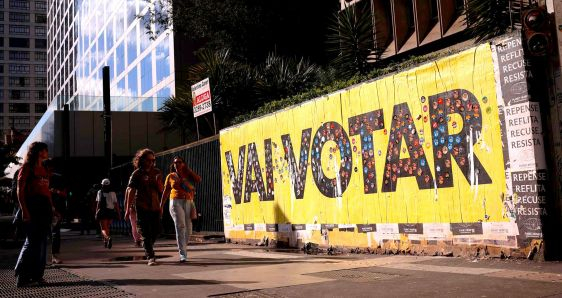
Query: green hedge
{"x": 336, "y": 85}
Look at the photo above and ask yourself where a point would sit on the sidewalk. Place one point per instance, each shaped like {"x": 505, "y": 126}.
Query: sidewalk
{"x": 228, "y": 270}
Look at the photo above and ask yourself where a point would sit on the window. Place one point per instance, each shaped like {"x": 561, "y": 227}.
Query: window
{"x": 2, "y": 14}
{"x": 19, "y": 94}
{"x": 19, "y": 56}
{"x": 19, "y": 108}
{"x": 19, "y": 29}
{"x": 40, "y": 31}
{"x": 19, "y": 121}
{"x": 132, "y": 89}
{"x": 1, "y": 55}
{"x": 19, "y": 68}
{"x": 162, "y": 60}
{"x": 40, "y": 43}
{"x": 1, "y": 29}
{"x": 21, "y": 17}
{"x": 40, "y": 108}
{"x": 132, "y": 46}
{"x": 40, "y": 68}
{"x": 146, "y": 73}
{"x": 18, "y": 82}
{"x": 40, "y": 82}
{"x": 1, "y": 68}
{"x": 41, "y": 95}
{"x": 40, "y": 5}
{"x": 19, "y": 42}
{"x": 19, "y": 4}
{"x": 40, "y": 18}
{"x": 40, "y": 56}
{"x": 1, "y": 6}
{"x": 120, "y": 59}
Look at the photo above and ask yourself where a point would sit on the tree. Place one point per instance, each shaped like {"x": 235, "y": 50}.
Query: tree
{"x": 251, "y": 29}
{"x": 351, "y": 39}
{"x": 8, "y": 156}
{"x": 489, "y": 18}
{"x": 279, "y": 77}
{"x": 232, "y": 85}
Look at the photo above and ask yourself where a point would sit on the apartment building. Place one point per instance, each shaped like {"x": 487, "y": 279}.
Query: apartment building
{"x": 23, "y": 65}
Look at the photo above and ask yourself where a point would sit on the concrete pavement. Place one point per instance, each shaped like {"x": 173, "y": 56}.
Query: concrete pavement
{"x": 229, "y": 270}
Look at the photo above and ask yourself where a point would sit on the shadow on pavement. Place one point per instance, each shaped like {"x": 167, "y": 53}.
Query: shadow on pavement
{"x": 169, "y": 282}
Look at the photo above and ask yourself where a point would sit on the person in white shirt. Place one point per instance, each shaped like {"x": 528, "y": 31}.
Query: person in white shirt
{"x": 107, "y": 210}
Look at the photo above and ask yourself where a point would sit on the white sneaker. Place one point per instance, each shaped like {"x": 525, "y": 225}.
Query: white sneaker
{"x": 183, "y": 259}
{"x": 56, "y": 260}
{"x": 152, "y": 262}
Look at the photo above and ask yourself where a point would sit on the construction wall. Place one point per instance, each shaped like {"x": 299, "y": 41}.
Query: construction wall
{"x": 448, "y": 152}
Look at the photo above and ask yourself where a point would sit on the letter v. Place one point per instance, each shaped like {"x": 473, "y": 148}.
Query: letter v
{"x": 236, "y": 180}
{"x": 298, "y": 171}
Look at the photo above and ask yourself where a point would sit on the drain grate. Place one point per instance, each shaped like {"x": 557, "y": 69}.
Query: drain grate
{"x": 59, "y": 283}
{"x": 354, "y": 275}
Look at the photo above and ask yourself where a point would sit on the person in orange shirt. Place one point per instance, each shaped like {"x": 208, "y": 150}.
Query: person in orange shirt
{"x": 179, "y": 187}
{"x": 37, "y": 209}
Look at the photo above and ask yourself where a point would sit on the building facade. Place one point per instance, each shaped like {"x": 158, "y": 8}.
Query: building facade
{"x": 402, "y": 26}
{"x": 86, "y": 35}
{"x": 23, "y": 71}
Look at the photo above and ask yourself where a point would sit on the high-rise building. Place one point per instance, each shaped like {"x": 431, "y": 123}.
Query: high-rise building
{"x": 85, "y": 35}
{"x": 23, "y": 68}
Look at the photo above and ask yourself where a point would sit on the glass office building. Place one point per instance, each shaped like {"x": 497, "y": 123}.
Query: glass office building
{"x": 86, "y": 35}
{"x": 23, "y": 63}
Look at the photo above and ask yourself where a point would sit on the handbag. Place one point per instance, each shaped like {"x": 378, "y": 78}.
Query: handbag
{"x": 193, "y": 212}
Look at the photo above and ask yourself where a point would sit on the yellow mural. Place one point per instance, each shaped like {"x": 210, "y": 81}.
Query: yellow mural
{"x": 423, "y": 146}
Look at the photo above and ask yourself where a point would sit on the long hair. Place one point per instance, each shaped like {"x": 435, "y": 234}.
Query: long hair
{"x": 138, "y": 160}
{"x": 33, "y": 153}
{"x": 187, "y": 172}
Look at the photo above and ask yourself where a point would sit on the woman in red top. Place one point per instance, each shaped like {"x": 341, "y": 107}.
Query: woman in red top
{"x": 180, "y": 188}
{"x": 37, "y": 209}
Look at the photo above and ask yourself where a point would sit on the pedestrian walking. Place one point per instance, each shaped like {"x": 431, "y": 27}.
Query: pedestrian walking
{"x": 180, "y": 189}
{"x": 107, "y": 209}
{"x": 59, "y": 193}
{"x": 145, "y": 185}
{"x": 37, "y": 210}
{"x": 131, "y": 215}
{"x": 87, "y": 208}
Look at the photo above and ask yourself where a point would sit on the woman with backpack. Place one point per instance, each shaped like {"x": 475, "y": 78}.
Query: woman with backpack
{"x": 180, "y": 188}
{"x": 106, "y": 211}
{"x": 37, "y": 209}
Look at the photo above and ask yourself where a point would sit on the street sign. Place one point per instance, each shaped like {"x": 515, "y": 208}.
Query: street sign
{"x": 201, "y": 95}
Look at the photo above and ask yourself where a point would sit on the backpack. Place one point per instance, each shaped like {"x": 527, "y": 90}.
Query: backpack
{"x": 103, "y": 200}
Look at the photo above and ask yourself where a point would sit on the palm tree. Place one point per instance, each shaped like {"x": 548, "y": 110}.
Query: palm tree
{"x": 489, "y": 18}
{"x": 279, "y": 77}
{"x": 350, "y": 39}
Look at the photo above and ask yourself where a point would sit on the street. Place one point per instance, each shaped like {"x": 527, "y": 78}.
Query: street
{"x": 234, "y": 270}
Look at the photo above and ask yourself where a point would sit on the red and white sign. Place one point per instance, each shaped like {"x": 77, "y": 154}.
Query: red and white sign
{"x": 201, "y": 95}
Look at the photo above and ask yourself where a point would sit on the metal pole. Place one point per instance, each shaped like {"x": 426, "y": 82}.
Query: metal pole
{"x": 66, "y": 133}
{"x": 107, "y": 119}
{"x": 197, "y": 126}
{"x": 215, "y": 122}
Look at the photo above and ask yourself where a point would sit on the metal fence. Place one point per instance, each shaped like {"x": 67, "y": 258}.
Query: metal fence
{"x": 203, "y": 157}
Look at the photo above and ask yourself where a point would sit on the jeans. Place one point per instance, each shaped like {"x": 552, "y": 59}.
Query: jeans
{"x": 33, "y": 255}
{"x": 149, "y": 226}
{"x": 180, "y": 210}
{"x": 133, "y": 219}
